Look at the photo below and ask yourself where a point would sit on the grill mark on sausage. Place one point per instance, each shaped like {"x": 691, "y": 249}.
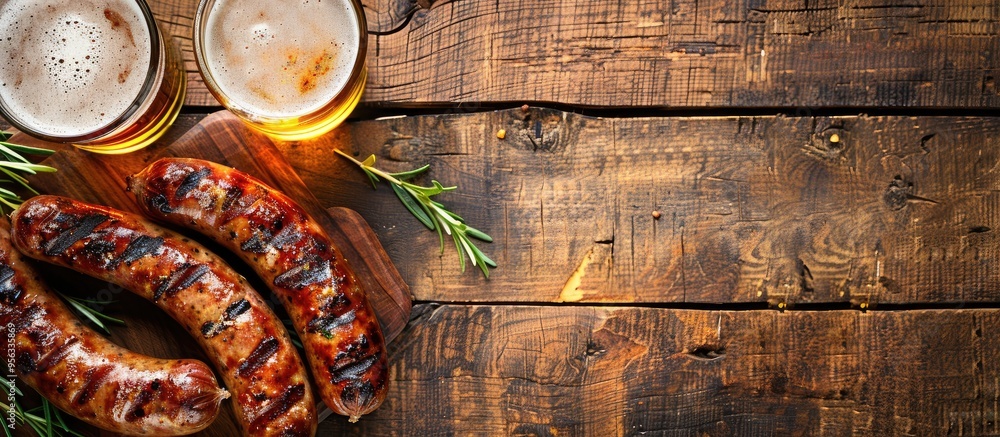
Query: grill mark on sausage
{"x": 180, "y": 279}
{"x": 259, "y": 356}
{"x": 257, "y": 243}
{"x": 262, "y": 238}
{"x": 232, "y": 194}
{"x": 138, "y": 248}
{"x": 56, "y": 355}
{"x": 98, "y": 247}
{"x": 211, "y": 329}
{"x": 326, "y": 324}
{"x": 26, "y": 317}
{"x": 137, "y": 412}
{"x": 238, "y": 206}
{"x": 352, "y": 370}
{"x": 355, "y": 350}
{"x": 190, "y": 182}
{"x": 160, "y": 203}
{"x": 278, "y": 406}
{"x": 358, "y": 393}
{"x": 84, "y": 227}
{"x": 287, "y": 235}
{"x": 10, "y": 292}
{"x": 333, "y": 304}
{"x": 94, "y": 380}
{"x": 314, "y": 269}
{"x": 236, "y": 308}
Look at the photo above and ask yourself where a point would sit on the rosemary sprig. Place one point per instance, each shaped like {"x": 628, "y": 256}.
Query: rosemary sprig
{"x": 46, "y": 420}
{"x": 12, "y": 163}
{"x": 417, "y": 199}
{"x": 96, "y": 317}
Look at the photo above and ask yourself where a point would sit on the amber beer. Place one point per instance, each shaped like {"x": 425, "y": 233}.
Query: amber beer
{"x": 294, "y": 70}
{"x": 95, "y": 73}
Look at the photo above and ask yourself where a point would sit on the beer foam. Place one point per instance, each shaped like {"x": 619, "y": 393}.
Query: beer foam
{"x": 73, "y": 66}
{"x": 280, "y": 61}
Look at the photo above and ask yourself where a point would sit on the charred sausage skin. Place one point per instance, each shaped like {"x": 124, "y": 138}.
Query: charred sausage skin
{"x": 294, "y": 255}
{"x": 238, "y": 331}
{"x": 87, "y": 376}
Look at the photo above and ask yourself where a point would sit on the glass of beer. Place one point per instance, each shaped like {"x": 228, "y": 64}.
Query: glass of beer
{"x": 293, "y": 70}
{"x": 99, "y": 75}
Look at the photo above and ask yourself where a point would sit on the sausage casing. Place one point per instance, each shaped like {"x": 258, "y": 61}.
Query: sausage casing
{"x": 239, "y": 332}
{"x": 87, "y": 376}
{"x": 294, "y": 255}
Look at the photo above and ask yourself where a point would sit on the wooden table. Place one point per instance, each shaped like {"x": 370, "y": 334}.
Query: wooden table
{"x": 813, "y": 270}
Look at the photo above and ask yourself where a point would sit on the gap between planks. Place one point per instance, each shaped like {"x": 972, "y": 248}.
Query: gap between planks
{"x": 730, "y": 307}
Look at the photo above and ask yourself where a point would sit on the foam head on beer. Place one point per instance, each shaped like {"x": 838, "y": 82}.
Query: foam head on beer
{"x": 280, "y": 61}
{"x": 72, "y": 66}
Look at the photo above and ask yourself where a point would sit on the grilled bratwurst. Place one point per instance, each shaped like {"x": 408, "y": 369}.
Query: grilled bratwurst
{"x": 293, "y": 254}
{"x": 87, "y": 376}
{"x": 247, "y": 342}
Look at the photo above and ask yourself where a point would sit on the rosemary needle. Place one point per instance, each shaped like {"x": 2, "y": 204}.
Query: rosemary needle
{"x": 417, "y": 200}
{"x": 12, "y": 162}
{"x": 49, "y": 424}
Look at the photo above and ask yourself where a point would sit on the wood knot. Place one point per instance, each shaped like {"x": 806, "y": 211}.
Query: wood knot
{"x": 897, "y": 194}
{"x": 594, "y": 350}
{"x": 828, "y": 144}
{"x": 707, "y": 353}
{"x": 545, "y": 130}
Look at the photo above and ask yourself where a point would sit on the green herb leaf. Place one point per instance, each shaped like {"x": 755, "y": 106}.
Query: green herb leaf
{"x": 96, "y": 317}
{"x": 45, "y": 419}
{"x": 6, "y": 429}
{"x": 473, "y": 232}
{"x": 433, "y": 215}
{"x": 411, "y": 204}
{"x": 12, "y": 162}
{"x": 48, "y": 417}
{"x": 28, "y": 149}
{"x": 407, "y": 175}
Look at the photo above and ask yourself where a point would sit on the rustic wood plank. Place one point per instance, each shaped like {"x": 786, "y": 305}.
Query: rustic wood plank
{"x": 547, "y": 371}
{"x": 686, "y": 53}
{"x": 826, "y": 206}
{"x": 761, "y": 209}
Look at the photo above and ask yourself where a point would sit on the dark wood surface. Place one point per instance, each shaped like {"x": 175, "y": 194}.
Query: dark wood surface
{"x": 556, "y": 371}
{"x": 681, "y": 53}
{"x": 531, "y": 366}
{"x": 753, "y": 209}
{"x": 793, "y": 284}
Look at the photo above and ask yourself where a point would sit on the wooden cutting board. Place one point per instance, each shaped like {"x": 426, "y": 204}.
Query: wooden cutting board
{"x": 221, "y": 138}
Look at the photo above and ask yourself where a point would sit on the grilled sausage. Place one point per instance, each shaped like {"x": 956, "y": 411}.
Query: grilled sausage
{"x": 247, "y": 342}
{"x": 293, "y": 254}
{"x": 87, "y": 376}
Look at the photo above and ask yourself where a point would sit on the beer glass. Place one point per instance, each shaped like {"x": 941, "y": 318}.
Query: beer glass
{"x": 293, "y": 70}
{"x": 101, "y": 76}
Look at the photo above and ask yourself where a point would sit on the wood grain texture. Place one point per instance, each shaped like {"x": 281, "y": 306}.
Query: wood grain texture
{"x": 586, "y": 371}
{"x": 682, "y": 53}
{"x": 762, "y": 209}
